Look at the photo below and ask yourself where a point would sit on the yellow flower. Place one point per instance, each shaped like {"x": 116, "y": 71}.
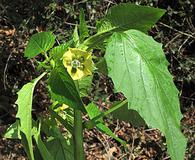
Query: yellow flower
{"x": 61, "y": 108}
{"x": 78, "y": 63}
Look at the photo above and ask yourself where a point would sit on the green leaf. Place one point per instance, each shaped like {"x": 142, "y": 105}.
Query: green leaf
{"x": 123, "y": 17}
{"x": 13, "y": 132}
{"x": 50, "y": 126}
{"x": 63, "y": 90}
{"x": 41, "y": 146}
{"x": 59, "y": 145}
{"x": 83, "y": 30}
{"x": 128, "y": 115}
{"x": 85, "y": 85}
{"x": 102, "y": 66}
{"x": 60, "y": 149}
{"x": 39, "y": 43}
{"x": 127, "y": 16}
{"x": 65, "y": 122}
{"x": 76, "y": 37}
{"x": 138, "y": 68}
{"x": 57, "y": 52}
{"x": 24, "y": 103}
{"x": 93, "y": 111}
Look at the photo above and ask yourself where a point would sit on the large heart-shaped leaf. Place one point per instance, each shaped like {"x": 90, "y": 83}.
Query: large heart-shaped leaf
{"x": 138, "y": 68}
{"x": 39, "y": 43}
{"x": 24, "y": 103}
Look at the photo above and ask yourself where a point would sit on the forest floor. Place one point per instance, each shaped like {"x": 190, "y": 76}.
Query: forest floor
{"x": 20, "y": 19}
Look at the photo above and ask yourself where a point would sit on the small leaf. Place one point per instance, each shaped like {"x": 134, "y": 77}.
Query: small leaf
{"x": 24, "y": 103}
{"x": 39, "y": 43}
{"x": 76, "y": 37}
{"x": 83, "y": 30}
{"x": 93, "y": 111}
{"x": 138, "y": 68}
{"x": 13, "y": 132}
{"x": 63, "y": 90}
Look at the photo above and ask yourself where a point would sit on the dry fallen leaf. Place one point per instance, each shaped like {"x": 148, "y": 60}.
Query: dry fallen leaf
{"x": 8, "y": 32}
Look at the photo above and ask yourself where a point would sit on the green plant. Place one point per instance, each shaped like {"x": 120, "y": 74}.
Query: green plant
{"x": 134, "y": 61}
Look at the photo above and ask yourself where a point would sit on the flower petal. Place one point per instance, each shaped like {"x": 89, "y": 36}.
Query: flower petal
{"x": 78, "y": 75}
{"x": 85, "y": 59}
{"x": 67, "y": 58}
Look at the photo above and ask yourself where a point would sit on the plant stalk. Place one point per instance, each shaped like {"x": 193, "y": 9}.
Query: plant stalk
{"x": 78, "y": 133}
{"x": 78, "y": 136}
{"x": 92, "y": 123}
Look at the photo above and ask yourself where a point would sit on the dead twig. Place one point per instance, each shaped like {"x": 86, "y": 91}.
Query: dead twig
{"x": 132, "y": 148}
{"x": 73, "y": 24}
{"x": 5, "y": 70}
{"x": 183, "y": 33}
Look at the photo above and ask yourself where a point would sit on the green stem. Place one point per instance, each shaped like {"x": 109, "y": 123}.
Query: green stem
{"x": 46, "y": 56}
{"x": 78, "y": 133}
{"x": 92, "y": 123}
{"x": 114, "y": 108}
{"x": 78, "y": 136}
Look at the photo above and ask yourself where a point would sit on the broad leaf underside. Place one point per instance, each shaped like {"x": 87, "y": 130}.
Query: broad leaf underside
{"x": 138, "y": 68}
